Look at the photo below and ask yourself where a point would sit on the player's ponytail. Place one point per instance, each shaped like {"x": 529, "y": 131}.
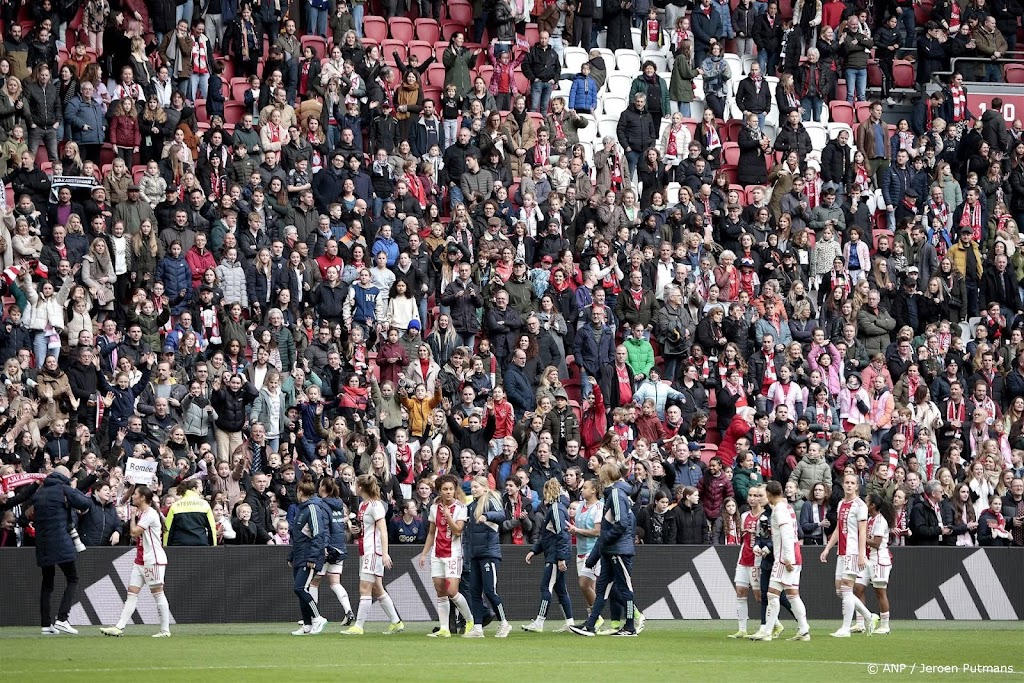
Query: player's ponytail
{"x": 884, "y": 507}
{"x": 368, "y": 484}
{"x": 489, "y": 500}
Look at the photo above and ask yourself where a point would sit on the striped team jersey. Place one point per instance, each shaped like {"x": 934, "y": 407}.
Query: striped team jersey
{"x": 748, "y": 531}
{"x": 587, "y": 517}
{"x": 877, "y": 526}
{"x": 370, "y": 542}
{"x": 849, "y": 515}
{"x": 444, "y": 547}
{"x": 150, "y": 550}
{"x": 784, "y": 534}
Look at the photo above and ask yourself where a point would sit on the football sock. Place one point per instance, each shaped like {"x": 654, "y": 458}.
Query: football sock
{"x": 742, "y": 613}
{"x": 848, "y": 607}
{"x": 885, "y": 619}
{"x": 314, "y": 592}
{"x": 444, "y": 607}
{"x": 460, "y": 602}
{"x": 861, "y": 608}
{"x": 800, "y": 612}
{"x": 389, "y": 608}
{"x": 165, "y": 611}
{"x": 342, "y": 595}
{"x": 128, "y": 611}
{"x": 364, "y": 607}
{"x": 773, "y": 613}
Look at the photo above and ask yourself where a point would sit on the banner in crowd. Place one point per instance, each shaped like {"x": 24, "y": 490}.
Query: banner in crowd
{"x": 13, "y": 481}
{"x": 254, "y": 584}
{"x": 139, "y": 471}
{"x": 1012, "y": 109}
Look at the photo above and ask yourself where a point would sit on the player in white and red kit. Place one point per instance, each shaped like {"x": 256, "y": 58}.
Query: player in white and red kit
{"x": 881, "y": 518}
{"x": 786, "y": 570}
{"x": 748, "y": 567}
{"x": 851, "y": 536}
{"x": 444, "y": 545}
{"x": 370, "y": 528}
{"x": 150, "y": 562}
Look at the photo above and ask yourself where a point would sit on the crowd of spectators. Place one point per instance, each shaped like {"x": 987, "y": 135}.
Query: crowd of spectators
{"x": 252, "y": 254}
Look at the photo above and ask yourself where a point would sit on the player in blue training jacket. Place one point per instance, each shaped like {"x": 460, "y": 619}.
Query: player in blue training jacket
{"x": 554, "y": 543}
{"x": 309, "y": 535}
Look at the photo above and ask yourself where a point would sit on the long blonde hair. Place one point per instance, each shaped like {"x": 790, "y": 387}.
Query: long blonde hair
{"x": 139, "y": 241}
{"x": 552, "y": 490}
{"x": 488, "y": 500}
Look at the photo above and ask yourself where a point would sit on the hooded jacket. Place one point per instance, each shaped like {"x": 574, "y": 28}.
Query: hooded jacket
{"x": 481, "y": 539}
{"x": 635, "y": 129}
{"x": 53, "y": 502}
{"x": 618, "y": 527}
{"x": 309, "y": 532}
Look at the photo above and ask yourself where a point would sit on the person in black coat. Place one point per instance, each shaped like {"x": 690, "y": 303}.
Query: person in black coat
{"x": 656, "y": 523}
{"x": 100, "y": 525}
{"x": 691, "y": 524}
{"x": 753, "y": 94}
{"x": 636, "y": 131}
{"x": 925, "y": 525}
{"x": 53, "y": 503}
{"x": 767, "y": 34}
{"x": 754, "y": 145}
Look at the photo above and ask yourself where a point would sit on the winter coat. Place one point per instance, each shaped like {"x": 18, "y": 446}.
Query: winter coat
{"x": 53, "y": 502}
{"x": 553, "y": 540}
{"x": 743, "y": 479}
{"x": 97, "y": 526}
{"x": 680, "y": 86}
{"x": 481, "y": 539}
{"x": 618, "y": 526}
{"x": 874, "y": 329}
{"x": 457, "y": 63}
{"x": 642, "y": 85}
{"x": 231, "y": 277}
{"x": 80, "y": 114}
{"x": 542, "y": 64}
{"x": 42, "y": 312}
{"x": 463, "y": 308}
{"x": 692, "y": 526}
{"x": 583, "y": 93}
{"x": 635, "y": 129}
{"x": 231, "y": 407}
{"x": 645, "y": 526}
{"x": 809, "y": 471}
{"x": 177, "y": 278}
{"x": 750, "y": 99}
{"x": 713, "y": 492}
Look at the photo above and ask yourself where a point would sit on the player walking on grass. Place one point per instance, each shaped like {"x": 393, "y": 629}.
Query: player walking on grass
{"x": 764, "y": 550}
{"x": 587, "y": 528}
{"x": 748, "y": 571}
{"x": 614, "y": 550}
{"x": 337, "y": 522}
{"x": 554, "y": 543}
{"x": 150, "y": 563}
{"x": 371, "y": 530}
{"x": 483, "y": 522}
{"x": 851, "y": 536}
{"x": 308, "y": 532}
{"x": 444, "y": 545}
{"x": 786, "y": 570}
{"x": 881, "y": 518}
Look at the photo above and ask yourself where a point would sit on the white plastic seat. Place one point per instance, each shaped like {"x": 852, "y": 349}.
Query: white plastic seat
{"x": 606, "y": 126}
{"x": 835, "y": 128}
{"x": 735, "y": 65}
{"x": 672, "y": 194}
{"x": 575, "y": 57}
{"x": 619, "y": 84}
{"x": 590, "y": 132}
{"x": 614, "y": 105}
{"x": 656, "y": 56}
{"x": 818, "y": 133}
{"x": 609, "y": 58}
{"x": 627, "y": 62}
{"x": 637, "y": 36}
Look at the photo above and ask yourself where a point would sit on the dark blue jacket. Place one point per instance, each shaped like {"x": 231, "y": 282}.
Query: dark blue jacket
{"x": 53, "y": 503}
{"x": 177, "y": 277}
{"x": 336, "y": 528}
{"x": 482, "y": 538}
{"x": 553, "y": 540}
{"x": 592, "y": 355}
{"x": 123, "y": 406}
{"x": 583, "y": 94}
{"x": 519, "y": 389}
{"x": 309, "y": 533}
{"x": 618, "y": 528}
{"x": 98, "y": 526}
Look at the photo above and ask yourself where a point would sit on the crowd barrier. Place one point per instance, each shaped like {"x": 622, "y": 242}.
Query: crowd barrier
{"x": 254, "y": 584}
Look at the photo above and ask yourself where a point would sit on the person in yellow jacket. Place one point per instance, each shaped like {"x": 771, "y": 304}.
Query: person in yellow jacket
{"x": 419, "y": 407}
{"x": 190, "y": 519}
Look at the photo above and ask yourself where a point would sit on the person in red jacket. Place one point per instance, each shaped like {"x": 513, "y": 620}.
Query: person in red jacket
{"x": 124, "y": 131}
{"x": 714, "y": 488}
{"x": 199, "y": 259}
{"x": 741, "y": 425}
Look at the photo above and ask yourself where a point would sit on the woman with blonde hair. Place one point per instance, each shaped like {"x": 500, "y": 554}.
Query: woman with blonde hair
{"x": 483, "y": 526}
{"x": 554, "y": 543}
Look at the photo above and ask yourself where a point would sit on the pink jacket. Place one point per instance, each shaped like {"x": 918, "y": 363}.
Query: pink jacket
{"x": 501, "y": 68}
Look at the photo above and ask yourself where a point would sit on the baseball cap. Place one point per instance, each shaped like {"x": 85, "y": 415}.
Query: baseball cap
{"x": 547, "y": 259}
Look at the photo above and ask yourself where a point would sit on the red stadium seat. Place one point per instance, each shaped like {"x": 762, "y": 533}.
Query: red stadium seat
{"x": 375, "y": 28}
{"x": 137, "y": 173}
{"x": 449, "y": 28}
{"x": 402, "y": 29}
{"x": 863, "y": 111}
{"x": 428, "y": 30}
{"x": 485, "y": 72}
{"x": 874, "y": 74}
{"x": 461, "y": 13}
{"x": 903, "y": 73}
{"x": 201, "y": 115}
{"x": 435, "y": 75}
{"x": 421, "y": 49}
{"x": 522, "y": 82}
{"x": 233, "y": 112}
{"x": 1015, "y": 73}
{"x": 238, "y": 87}
{"x": 732, "y": 130}
{"x": 532, "y": 34}
{"x": 730, "y": 153}
{"x": 318, "y": 43}
{"x": 432, "y": 93}
{"x": 389, "y": 47}
{"x": 841, "y": 111}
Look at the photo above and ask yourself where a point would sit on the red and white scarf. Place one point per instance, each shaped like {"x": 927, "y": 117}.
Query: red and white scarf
{"x": 959, "y": 102}
{"x": 971, "y": 218}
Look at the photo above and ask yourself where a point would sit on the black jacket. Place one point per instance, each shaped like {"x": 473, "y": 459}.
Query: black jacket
{"x": 653, "y": 529}
{"x": 835, "y": 162}
{"x": 232, "y": 407}
{"x": 767, "y": 37}
{"x": 749, "y": 99}
{"x": 924, "y": 525}
{"x": 691, "y": 525}
{"x": 635, "y": 130}
{"x": 98, "y": 525}
{"x": 542, "y": 64}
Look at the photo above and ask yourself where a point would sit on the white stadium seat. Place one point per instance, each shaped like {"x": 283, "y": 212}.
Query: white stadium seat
{"x": 627, "y": 62}
{"x": 575, "y": 57}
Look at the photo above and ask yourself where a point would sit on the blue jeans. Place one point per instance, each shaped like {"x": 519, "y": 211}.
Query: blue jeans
{"x": 554, "y": 582}
{"x": 455, "y": 196}
{"x": 358, "y": 10}
{"x": 812, "y": 108}
{"x": 856, "y": 85}
{"x": 540, "y": 96}
{"x": 451, "y": 131}
{"x": 40, "y": 347}
{"x": 632, "y": 159}
{"x": 198, "y": 86}
{"x": 615, "y": 572}
{"x": 993, "y": 73}
{"x": 184, "y": 12}
{"x": 684, "y": 109}
{"x": 316, "y": 21}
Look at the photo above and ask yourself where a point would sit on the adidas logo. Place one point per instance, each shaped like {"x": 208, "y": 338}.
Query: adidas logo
{"x": 976, "y": 582}
{"x": 706, "y": 592}
{"x": 105, "y": 599}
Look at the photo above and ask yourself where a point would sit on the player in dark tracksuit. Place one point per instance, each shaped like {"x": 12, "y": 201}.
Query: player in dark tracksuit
{"x": 615, "y": 550}
{"x": 764, "y": 540}
{"x": 309, "y": 534}
{"x": 336, "y": 552}
{"x": 554, "y": 543}
{"x": 483, "y": 554}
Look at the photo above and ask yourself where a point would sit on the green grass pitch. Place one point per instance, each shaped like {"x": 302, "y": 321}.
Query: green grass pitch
{"x": 666, "y": 651}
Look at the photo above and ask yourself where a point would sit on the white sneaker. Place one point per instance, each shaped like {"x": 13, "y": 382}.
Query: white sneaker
{"x": 504, "y": 630}
{"x": 65, "y": 627}
{"x": 640, "y": 621}
{"x": 873, "y": 623}
{"x": 857, "y": 628}
{"x": 882, "y": 630}
{"x": 318, "y": 625}
{"x": 49, "y": 631}
{"x": 841, "y": 633}
{"x": 304, "y": 631}
{"x": 760, "y": 634}
{"x": 564, "y": 628}
{"x": 475, "y": 632}
{"x": 534, "y": 627}
{"x": 162, "y": 634}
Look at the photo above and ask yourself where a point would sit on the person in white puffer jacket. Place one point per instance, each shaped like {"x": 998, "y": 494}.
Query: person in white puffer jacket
{"x": 232, "y": 278}
{"x": 45, "y": 314}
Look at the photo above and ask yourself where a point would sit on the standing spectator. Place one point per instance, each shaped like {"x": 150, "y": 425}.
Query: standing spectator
{"x": 714, "y": 488}
{"x": 767, "y": 34}
{"x": 707, "y": 29}
{"x": 636, "y": 131}
{"x": 856, "y": 45}
{"x": 542, "y": 68}
{"x": 926, "y": 517}
{"x": 45, "y": 111}
{"x": 86, "y": 119}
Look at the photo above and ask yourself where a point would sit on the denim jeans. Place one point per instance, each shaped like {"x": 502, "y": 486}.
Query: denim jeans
{"x": 632, "y": 159}
{"x": 540, "y": 95}
{"x": 812, "y": 108}
{"x": 856, "y": 85}
{"x": 993, "y": 73}
{"x": 358, "y": 9}
{"x": 684, "y": 109}
{"x": 40, "y": 347}
{"x": 316, "y": 21}
{"x": 183, "y": 12}
{"x": 455, "y": 196}
{"x": 451, "y": 131}
{"x": 198, "y": 85}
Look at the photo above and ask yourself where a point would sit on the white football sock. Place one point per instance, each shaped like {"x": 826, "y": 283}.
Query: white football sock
{"x": 128, "y": 610}
{"x": 885, "y": 619}
{"x": 742, "y": 613}
{"x": 364, "y": 606}
{"x": 848, "y": 607}
{"x": 460, "y": 602}
{"x": 165, "y": 611}
{"x": 800, "y": 612}
{"x": 389, "y": 608}
{"x": 314, "y": 592}
{"x": 772, "y": 615}
{"x": 342, "y": 595}
{"x": 444, "y": 609}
